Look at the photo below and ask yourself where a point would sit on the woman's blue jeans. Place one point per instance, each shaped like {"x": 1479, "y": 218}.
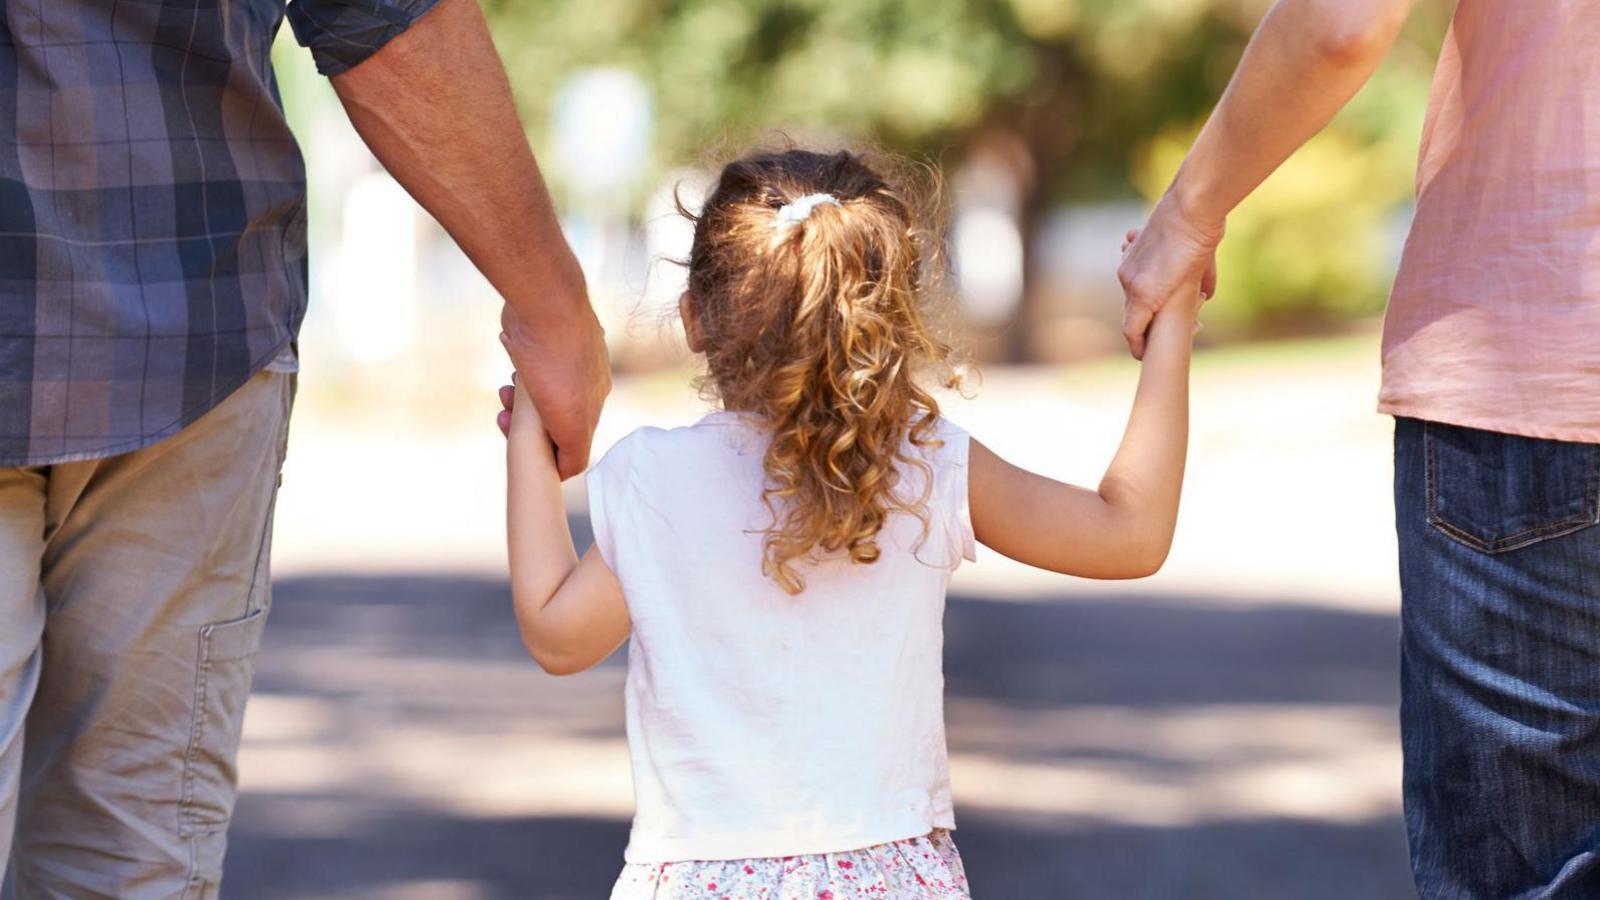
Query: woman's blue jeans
{"x": 1500, "y": 570}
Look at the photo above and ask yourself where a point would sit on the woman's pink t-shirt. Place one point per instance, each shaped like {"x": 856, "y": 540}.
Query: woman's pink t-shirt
{"x": 1495, "y": 318}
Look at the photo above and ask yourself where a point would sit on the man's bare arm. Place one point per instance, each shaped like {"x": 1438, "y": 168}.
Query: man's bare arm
{"x": 435, "y": 107}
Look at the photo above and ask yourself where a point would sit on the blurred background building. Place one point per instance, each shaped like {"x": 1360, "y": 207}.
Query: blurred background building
{"x": 1223, "y": 730}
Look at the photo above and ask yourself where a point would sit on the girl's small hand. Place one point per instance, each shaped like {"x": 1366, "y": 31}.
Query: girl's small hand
{"x": 508, "y": 397}
{"x": 520, "y": 414}
{"x": 523, "y": 425}
{"x": 1187, "y": 304}
{"x": 1180, "y": 315}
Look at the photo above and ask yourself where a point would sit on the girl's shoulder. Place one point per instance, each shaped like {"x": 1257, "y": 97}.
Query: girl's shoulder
{"x": 658, "y": 479}
{"x": 721, "y": 436}
{"x": 946, "y": 444}
{"x": 650, "y": 448}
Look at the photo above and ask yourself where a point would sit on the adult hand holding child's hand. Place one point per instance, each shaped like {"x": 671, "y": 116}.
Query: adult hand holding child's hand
{"x": 562, "y": 366}
{"x": 1184, "y": 304}
{"x": 1162, "y": 260}
{"x": 520, "y": 414}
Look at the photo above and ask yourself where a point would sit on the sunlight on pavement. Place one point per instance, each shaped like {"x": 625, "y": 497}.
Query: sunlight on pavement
{"x": 1184, "y": 767}
{"x": 428, "y": 890}
{"x": 1083, "y": 765}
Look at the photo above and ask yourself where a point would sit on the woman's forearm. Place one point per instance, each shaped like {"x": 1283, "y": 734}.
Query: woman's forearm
{"x": 1306, "y": 61}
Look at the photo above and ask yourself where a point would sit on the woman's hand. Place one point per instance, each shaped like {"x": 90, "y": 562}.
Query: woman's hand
{"x": 1159, "y": 261}
{"x": 1184, "y": 306}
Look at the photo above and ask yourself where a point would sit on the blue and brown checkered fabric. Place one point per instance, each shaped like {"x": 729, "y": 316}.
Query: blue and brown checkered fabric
{"x": 152, "y": 209}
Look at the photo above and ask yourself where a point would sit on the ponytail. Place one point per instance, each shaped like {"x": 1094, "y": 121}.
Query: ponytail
{"x": 805, "y": 276}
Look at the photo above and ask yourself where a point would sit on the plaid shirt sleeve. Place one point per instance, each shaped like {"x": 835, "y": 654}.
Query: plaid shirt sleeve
{"x": 341, "y": 34}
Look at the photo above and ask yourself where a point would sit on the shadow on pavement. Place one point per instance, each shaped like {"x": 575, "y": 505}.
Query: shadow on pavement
{"x": 443, "y": 652}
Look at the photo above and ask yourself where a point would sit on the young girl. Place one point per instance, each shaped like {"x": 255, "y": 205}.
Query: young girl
{"x": 781, "y": 566}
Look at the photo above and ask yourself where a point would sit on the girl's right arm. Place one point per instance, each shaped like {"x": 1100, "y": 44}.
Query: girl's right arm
{"x": 571, "y": 611}
{"x": 1124, "y": 529}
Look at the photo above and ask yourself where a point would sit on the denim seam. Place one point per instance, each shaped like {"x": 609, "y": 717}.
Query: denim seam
{"x": 1516, "y": 541}
{"x": 1509, "y": 542}
{"x": 1594, "y": 484}
{"x": 1428, "y": 466}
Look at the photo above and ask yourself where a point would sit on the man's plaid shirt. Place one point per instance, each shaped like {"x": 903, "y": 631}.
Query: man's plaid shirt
{"x": 152, "y": 209}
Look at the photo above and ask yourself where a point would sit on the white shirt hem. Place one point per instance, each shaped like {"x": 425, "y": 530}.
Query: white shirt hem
{"x": 646, "y": 849}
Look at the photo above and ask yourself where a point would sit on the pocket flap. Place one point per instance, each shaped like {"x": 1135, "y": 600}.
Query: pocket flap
{"x": 1500, "y": 492}
{"x": 238, "y": 639}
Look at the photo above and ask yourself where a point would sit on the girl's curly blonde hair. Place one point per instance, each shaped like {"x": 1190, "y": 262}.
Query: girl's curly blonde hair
{"x": 816, "y": 325}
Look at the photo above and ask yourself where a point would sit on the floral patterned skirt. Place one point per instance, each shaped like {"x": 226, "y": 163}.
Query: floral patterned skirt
{"x": 924, "y": 868}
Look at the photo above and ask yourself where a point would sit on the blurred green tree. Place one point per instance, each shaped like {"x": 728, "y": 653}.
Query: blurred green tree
{"x": 1089, "y": 100}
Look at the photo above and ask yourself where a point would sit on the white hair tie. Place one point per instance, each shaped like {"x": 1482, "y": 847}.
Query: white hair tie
{"x": 800, "y": 210}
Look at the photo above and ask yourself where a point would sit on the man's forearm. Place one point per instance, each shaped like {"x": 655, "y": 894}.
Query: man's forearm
{"x": 435, "y": 107}
{"x": 1306, "y": 61}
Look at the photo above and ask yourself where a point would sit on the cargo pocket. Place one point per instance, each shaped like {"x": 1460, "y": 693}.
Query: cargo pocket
{"x": 223, "y": 674}
{"x": 1500, "y": 492}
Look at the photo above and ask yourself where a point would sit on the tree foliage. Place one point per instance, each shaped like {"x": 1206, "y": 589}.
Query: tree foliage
{"x": 1103, "y": 94}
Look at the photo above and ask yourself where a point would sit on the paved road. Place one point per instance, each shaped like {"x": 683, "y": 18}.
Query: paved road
{"x": 401, "y": 746}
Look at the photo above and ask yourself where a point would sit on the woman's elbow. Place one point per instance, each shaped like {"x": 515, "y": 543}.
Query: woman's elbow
{"x": 1348, "y": 48}
{"x": 1356, "y": 34}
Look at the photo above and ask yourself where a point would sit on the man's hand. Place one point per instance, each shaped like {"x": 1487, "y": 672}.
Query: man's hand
{"x": 566, "y": 373}
{"x": 435, "y": 107}
{"x": 1166, "y": 258}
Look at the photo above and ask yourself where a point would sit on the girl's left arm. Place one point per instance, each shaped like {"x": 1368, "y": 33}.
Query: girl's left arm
{"x": 571, "y": 611}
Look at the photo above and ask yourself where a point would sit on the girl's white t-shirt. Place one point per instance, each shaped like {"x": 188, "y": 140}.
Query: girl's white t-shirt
{"x": 762, "y": 724}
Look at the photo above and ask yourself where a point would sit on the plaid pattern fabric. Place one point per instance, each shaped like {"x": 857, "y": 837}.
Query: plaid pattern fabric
{"x": 152, "y": 209}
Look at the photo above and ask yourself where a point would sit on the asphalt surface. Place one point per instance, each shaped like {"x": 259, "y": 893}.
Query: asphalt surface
{"x": 380, "y": 699}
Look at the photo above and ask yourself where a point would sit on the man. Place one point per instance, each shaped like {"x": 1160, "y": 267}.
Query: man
{"x": 1492, "y": 367}
{"x": 152, "y": 280}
